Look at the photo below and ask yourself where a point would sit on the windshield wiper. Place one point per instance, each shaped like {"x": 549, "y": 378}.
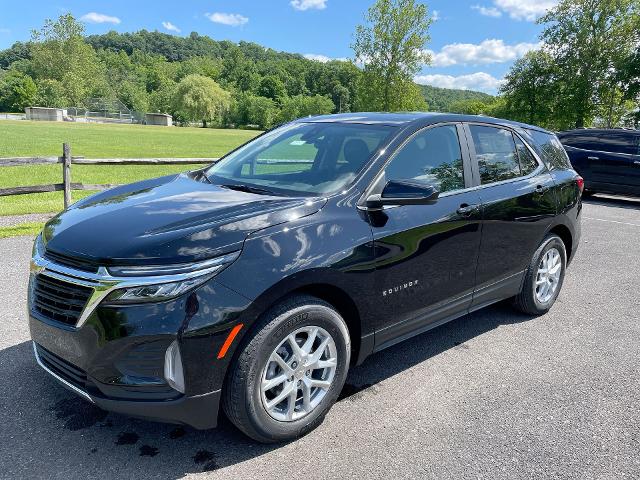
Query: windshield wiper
{"x": 248, "y": 189}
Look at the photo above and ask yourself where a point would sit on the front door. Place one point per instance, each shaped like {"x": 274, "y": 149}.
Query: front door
{"x": 425, "y": 255}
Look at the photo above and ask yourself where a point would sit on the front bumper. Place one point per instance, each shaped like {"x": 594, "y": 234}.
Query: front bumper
{"x": 114, "y": 356}
{"x": 198, "y": 411}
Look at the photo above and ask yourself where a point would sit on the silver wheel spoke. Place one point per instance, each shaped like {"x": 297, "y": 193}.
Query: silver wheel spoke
{"x": 297, "y": 351}
{"x": 320, "y": 384}
{"x": 275, "y": 357}
{"x": 308, "y": 345}
{"x": 286, "y": 391}
{"x": 306, "y": 396}
{"x": 318, "y": 353}
{"x": 274, "y": 382}
{"x": 291, "y": 405}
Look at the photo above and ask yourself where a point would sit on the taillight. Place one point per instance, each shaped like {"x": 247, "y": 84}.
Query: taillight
{"x": 580, "y": 183}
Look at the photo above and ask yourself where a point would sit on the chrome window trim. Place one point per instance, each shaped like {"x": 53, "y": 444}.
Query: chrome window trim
{"x": 102, "y": 282}
{"x": 67, "y": 384}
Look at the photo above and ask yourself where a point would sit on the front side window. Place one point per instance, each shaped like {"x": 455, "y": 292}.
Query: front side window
{"x": 432, "y": 157}
{"x": 302, "y": 158}
{"x": 619, "y": 143}
{"x": 496, "y": 153}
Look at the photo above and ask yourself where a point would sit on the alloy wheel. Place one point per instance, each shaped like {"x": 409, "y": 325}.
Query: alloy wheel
{"x": 298, "y": 373}
{"x": 548, "y": 276}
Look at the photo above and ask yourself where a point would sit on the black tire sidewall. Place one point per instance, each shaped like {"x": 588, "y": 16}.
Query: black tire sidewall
{"x": 281, "y": 326}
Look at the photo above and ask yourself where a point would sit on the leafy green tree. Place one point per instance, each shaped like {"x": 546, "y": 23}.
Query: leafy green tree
{"x": 199, "y": 98}
{"x": 587, "y": 40}
{"x": 300, "y": 106}
{"x": 59, "y": 52}
{"x": 17, "y": 91}
{"x": 391, "y": 46}
{"x": 272, "y": 87}
{"x": 249, "y": 109}
{"x": 51, "y": 93}
{"x": 532, "y": 92}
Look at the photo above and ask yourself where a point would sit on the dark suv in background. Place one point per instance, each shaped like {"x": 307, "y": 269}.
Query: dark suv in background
{"x": 256, "y": 282}
{"x": 607, "y": 159}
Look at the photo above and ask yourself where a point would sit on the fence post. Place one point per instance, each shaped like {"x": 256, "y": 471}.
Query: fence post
{"x": 66, "y": 173}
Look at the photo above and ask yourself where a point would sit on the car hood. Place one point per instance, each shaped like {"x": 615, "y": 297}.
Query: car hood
{"x": 174, "y": 219}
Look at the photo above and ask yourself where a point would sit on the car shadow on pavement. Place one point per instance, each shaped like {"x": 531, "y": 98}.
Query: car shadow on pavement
{"x": 53, "y": 433}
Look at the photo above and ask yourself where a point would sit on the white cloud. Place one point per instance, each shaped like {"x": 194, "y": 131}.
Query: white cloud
{"x": 94, "y": 17}
{"x": 435, "y": 16}
{"x": 487, "y": 51}
{"x": 309, "y": 4}
{"x": 487, "y": 11}
{"x": 529, "y": 10}
{"x": 480, "y": 81}
{"x": 322, "y": 58}
{"x": 171, "y": 27}
{"x": 5, "y": 30}
{"x": 232, "y": 19}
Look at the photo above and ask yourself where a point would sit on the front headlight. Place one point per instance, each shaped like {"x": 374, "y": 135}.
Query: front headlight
{"x": 163, "y": 282}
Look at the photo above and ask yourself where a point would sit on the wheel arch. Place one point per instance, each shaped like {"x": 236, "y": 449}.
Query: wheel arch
{"x": 566, "y": 236}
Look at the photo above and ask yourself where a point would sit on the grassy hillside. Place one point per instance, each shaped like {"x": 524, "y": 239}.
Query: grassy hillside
{"x": 441, "y": 99}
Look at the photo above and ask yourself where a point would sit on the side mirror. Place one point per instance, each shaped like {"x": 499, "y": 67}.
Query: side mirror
{"x": 404, "y": 192}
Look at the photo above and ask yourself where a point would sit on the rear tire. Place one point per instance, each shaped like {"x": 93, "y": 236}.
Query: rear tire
{"x": 544, "y": 277}
{"x": 308, "y": 386}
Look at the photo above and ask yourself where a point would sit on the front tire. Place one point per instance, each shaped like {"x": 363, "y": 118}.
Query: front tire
{"x": 290, "y": 371}
{"x": 544, "y": 277}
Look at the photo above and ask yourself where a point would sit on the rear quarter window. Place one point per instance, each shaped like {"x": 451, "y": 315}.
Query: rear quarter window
{"x": 549, "y": 148}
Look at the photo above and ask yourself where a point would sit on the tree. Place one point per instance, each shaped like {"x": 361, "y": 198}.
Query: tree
{"x": 272, "y": 87}
{"x": 17, "y": 91}
{"x": 199, "y": 98}
{"x": 249, "y": 109}
{"x": 300, "y": 106}
{"x": 51, "y": 94}
{"x": 588, "y": 39}
{"x": 391, "y": 47}
{"x": 532, "y": 93}
{"x": 59, "y": 52}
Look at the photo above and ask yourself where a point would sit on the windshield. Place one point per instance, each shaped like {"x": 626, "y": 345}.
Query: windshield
{"x": 301, "y": 158}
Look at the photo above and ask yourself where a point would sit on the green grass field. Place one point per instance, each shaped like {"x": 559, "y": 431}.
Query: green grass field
{"x": 30, "y": 139}
{"x": 95, "y": 140}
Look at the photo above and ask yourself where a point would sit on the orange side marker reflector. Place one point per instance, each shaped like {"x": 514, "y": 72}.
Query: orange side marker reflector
{"x": 227, "y": 343}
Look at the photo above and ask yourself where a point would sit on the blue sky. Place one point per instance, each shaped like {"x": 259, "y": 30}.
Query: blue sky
{"x": 473, "y": 43}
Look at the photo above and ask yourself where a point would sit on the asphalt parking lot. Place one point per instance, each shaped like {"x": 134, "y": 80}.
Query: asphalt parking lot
{"x": 494, "y": 394}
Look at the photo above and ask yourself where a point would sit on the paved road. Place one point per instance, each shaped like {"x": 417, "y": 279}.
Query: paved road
{"x": 492, "y": 395}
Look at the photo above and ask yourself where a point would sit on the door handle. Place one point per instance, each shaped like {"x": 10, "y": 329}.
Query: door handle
{"x": 593, "y": 158}
{"x": 541, "y": 189}
{"x": 466, "y": 210}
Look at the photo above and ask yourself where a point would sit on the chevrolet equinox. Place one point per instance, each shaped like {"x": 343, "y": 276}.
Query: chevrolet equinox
{"x": 255, "y": 283}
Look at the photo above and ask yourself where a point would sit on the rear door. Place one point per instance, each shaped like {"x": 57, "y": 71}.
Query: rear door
{"x": 518, "y": 205}
{"x": 617, "y": 162}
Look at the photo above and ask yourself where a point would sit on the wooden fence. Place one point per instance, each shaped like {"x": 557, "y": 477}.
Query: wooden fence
{"x": 67, "y": 160}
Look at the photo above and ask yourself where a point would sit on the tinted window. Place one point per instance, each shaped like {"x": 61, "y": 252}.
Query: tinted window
{"x": 496, "y": 153}
{"x": 619, "y": 143}
{"x": 302, "y": 158}
{"x": 528, "y": 163}
{"x": 549, "y": 148}
{"x": 584, "y": 140}
{"x": 432, "y": 157}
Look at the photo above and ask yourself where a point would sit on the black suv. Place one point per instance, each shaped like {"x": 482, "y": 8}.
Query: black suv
{"x": 607, "y": 159}
{"x": 256, "y": 282}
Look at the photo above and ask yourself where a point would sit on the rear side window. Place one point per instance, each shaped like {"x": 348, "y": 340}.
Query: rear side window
{"x": 496, "y": 153}
{"x": 583, "y": 140}
{"x": 619, "y": 143}
{"x": 432, "y": 157}
{"x": 549, "y": 148}
{"x": 528, "y": 163}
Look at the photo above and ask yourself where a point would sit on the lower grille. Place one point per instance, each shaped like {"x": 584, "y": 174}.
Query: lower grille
{"x": 65, "y": 370}
{"x": 59, "y": 300}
